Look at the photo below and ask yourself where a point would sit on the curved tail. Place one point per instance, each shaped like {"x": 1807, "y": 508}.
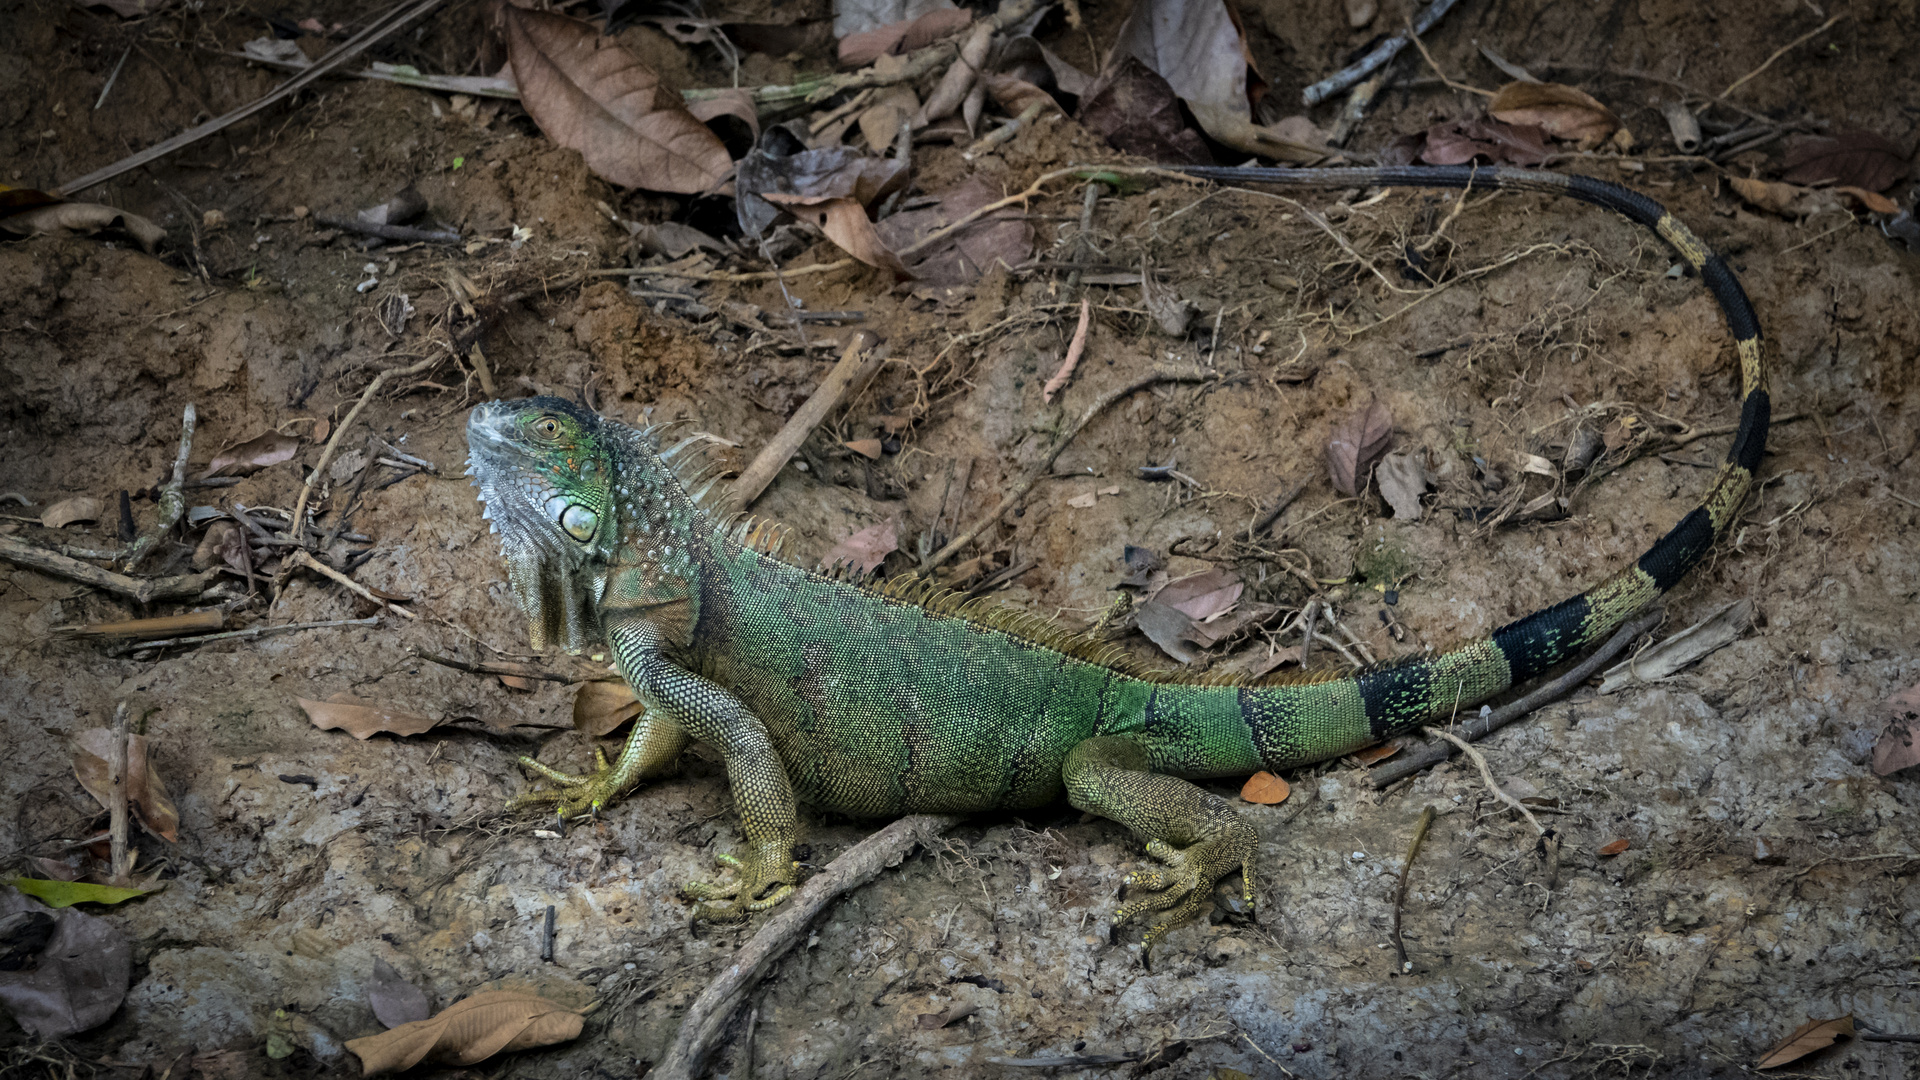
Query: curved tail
{"x": 1393, "y": 697}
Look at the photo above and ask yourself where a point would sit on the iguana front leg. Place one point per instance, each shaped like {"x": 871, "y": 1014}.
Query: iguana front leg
{"x": 706, "y": 711}
{"x": 652, "y": 747}
{"x": 1197, "y": 835}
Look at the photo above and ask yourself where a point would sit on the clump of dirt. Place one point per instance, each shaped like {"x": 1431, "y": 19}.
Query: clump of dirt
{"x": 1768, "y": 876}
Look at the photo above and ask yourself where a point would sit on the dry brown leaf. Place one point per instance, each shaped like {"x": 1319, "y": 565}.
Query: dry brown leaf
{"x": 1562, "y": 111}
{"x": 864, "y": 550}
{"x": 599, "y": 708}
{"x": 224, "y": 542}
{"x": 77, "y": 979}
{"x": 269, "y": 448}
{"x": 1786, "y": 200}
{"x": 1374, "y": 755}
{"x": 469, "y": 1031}
{"x": 1266, "y": 789}
{"x": 1850, "y": 158}
{"x": 1871, "y": 201}
{"x": 1013, "y": 95}
{"x": 67, "y": 511}
{"x": 363, "y": 720}
{"x": 1808, "y": 1037}
{"x": 845, "y": 222}
{"x": 1198, "y": 47}
{"x": 1135, "y": 110}
{"x": 1403, "y": 480}
{"x": 1899, "y": 745}
{"x": 1357, "y": 443}
{"x": 1615, "y": 847}
{"x": 81, "y": 219}
{"x": 1002, "y": 237}
{"x": 590, "y": 94}
{"x": 1456, "y": 142}
{"x": 866, "y": 448}
{"x": 395, "y": 1001}
{"x": 863, "y": 48}
{"x": 880, "y": 122}
{"x": 146, "y": 792}
{"x": 733, "y": 101}
{"x": 781, "y": 163}
{"x": 1202, "y": 596}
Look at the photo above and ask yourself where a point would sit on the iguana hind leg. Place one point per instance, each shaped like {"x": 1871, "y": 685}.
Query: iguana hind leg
{"x": 1196, "y": 835}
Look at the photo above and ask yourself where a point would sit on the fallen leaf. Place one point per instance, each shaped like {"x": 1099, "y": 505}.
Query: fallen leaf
{"x": 780, "y": 163}
{"x": 1850, "y": 158}
{"x": 1614, "y": 847}
{"x": 1374, "y": 755}
{"x": 866, "y": 448}
{"x": 672, "y": 239}
{"x": 1084, "y": 501}
{"x": 225, "y": 542}
{"x": 1279, "y": 657}
{"x": 1898, "y": 747}
{"x": 59, "y": 894}
{"x": 590, "y": 94}
{"x": 1456, "y": 142}
{"x": 1200, "y": 49}
{"x": 269, "y": 448}
{"x": 81, "y": 219}
{"x": 469, "y": 1031}
{"x": 1357, "y": 443}
{"x": 1135, "y": 110}
{"x": 861, "y": 47}
{"x": 1166, "y": 627}
{"x": 1561, "y": 111}
{"x": 864, "y": 550}
{"x": 1204, "y": 595}
{"x": 1266, "y": 789}
{"x": 844, "y": 222}
{"x": 1786, "y": 200}
{"x": 599, "y": 708}
{"x": 146, "y": 792}
{"x": 880, "y": 122}
{"x": 78, "y": 978}
{"x": 1025, "y": 57}
{"x": 67, "y": 511}
{"x": 1403, "y": 480}
{"x": 1721, "y": 628}
{"x": 1871, "y": 201}
{"x": 1013, "y": 95}
{"x": 363, "y": 720}
{"x": 733, "y": 101}
{"x": 999, "y": 238}
{"x": 1808, "y": 1037}
{"x": 395, "y": 1001}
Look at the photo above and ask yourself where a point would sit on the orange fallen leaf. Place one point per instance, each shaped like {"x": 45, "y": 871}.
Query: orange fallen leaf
{"x": 599, "y": 708}
{"x": 469, "y": 1031}
{"x": 1871, "y": 201}
{"x": 146, "y": 792}
{"x": 1562, "y": 111}
{"x": 1374, "y": 755}
{"x": 1266, "y": 789}
{"x": 361, "y": 719}
{"x": 515, "y": 682}
{"x": 1808, "y": 1037}
{"x": 845, "y": 222}
{"x": 866, "y": 448}
{"x": 1615, "y": 847}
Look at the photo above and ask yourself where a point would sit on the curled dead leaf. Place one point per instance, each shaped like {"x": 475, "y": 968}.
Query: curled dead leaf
{"x": 1357, "y": 443}
{"x": 864, "y": 550}
{"x": 469, "y": 1031}
{"x": 81, "y": 219}
{"x": 590, "y": 94}
{"x": 1266, "y": 789}
{"x": 363, "y": 720}
{"x": 866, "y": 448}
{"x": 599, "y": 708}
{"x": 146, "y": 792}
{"x": 1787, "y": 200}
{"x": 1808, "y": 1037}
{"x": 1374, "y": 755}
{"x": 79, "y": 974}
{"x": 269, "y": 448}
{"x": 1615, "y": 847}
{"x": 844, "y": 222}
{"x": 67, "y": 511}
{"x": 1851, "y": 158}
{"x": 1561, "y": 111}
{"x": 1204, "y": 595}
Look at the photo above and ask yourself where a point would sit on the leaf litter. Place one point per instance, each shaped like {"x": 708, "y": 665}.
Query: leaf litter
{"x": 146, "y": 792}
{"x": 77, "y": 977}
{"x": 470, "y": 1031}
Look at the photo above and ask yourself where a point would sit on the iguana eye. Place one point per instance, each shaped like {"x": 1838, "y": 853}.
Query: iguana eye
{"x": 579, "y": 522}
{"x": 547, "y": 427}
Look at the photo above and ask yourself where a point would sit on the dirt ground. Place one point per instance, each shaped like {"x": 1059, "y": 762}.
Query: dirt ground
{"x": 306, "y": 855}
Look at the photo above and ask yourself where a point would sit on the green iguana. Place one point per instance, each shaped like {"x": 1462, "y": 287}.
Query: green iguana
{"x": 897, "y": 699}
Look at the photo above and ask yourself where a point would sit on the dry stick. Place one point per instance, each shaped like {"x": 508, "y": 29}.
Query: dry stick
{"x": 1074, "y": 348}
{"x": 1044, "y": 466}
{"x": 295, "y": 530}
{"x": 1400, "y": 894}
{"x": 140, "y": 590}
{"x": 1448, "y": 83}
{"x": 1486, "y": 777}
{"x": 856, "y": 364}
{"x": 235, "y": 635}
{"x": 299, "y": 557}
{"x": 854, "y": 867}
{"x": 117, "y": 797}
{"x": 524, "y": 671}
{"x": 1481, "y": 727}
{"x": 399, "y": 233}
{"x": 1378, "y": 57}
{"x": 172, "y": 502}
{"x": 1780, "y": 52}
{"x": 392, "y": 21}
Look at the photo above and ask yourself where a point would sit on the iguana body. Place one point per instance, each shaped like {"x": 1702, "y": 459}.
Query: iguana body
{"x": 877, "y": 702}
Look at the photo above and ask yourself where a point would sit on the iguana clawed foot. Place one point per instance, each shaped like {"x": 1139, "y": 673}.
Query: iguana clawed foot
{"x": 1185, "y": 884}
{"x": 577, "y": 795}
{"x": 769, "y": 869}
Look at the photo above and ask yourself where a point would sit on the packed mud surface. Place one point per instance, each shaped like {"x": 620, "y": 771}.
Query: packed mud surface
{"x": 1757, "y": 873}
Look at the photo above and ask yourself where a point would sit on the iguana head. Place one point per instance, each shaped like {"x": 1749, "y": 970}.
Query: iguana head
{"x": 544, "y": 468}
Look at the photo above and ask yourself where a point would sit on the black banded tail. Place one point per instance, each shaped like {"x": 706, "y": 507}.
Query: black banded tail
{"x": 1393, "y": 697}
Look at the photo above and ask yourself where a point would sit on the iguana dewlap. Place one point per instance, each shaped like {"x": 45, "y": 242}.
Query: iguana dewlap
{"x": 894, "y": 700}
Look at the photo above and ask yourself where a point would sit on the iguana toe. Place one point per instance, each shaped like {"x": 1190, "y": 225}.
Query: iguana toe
{"x": 769, "y": 869}
{"x": 1184, "y": 884}
{"x": 577, "y": 795}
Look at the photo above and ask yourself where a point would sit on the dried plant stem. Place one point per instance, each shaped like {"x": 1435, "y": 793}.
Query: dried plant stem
{"x": 235, "y": 635}
{"x": 1400, "y": 893}
{"x": 173, "y": 502}
{"x": 857, "y": 363}
{"x": 1486, "y": 777}
{"x": 300, "y": 558}
{"x": 1780, "y": 52}
{"x": 139, "y": 590}
{"x": 120, "y": 869}
{"x": 296, "y": 530}
{"x": 1074, "y": 348}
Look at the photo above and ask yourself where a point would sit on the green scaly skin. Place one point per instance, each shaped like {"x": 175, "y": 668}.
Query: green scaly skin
{"x": 878, "y": 702}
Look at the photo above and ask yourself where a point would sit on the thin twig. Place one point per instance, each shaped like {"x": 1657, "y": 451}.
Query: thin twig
{"x": 1449, "y": 83}
{"x": 1481, "y": 727}
{"x": 854, "y": 867}
{"x": 172, "y": 502}
{"x": 394, "y": 19}
{"x": 1074, "y": 348}
{"x": 1376, "y": 58}
{"x": 119, "y": 870}
{"x": 1486, "y": 776}
{"x": 300, "y": 558}
{"x": 1400, "y": 893}
{"x": 235, "y": 635}
{"x": 1780, "y": 52}
{"x": 294, "y": 525}
{"x": 1044, "y": 465}
{"x": 522, "y": 671}
{"x": 857, "y": 363}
